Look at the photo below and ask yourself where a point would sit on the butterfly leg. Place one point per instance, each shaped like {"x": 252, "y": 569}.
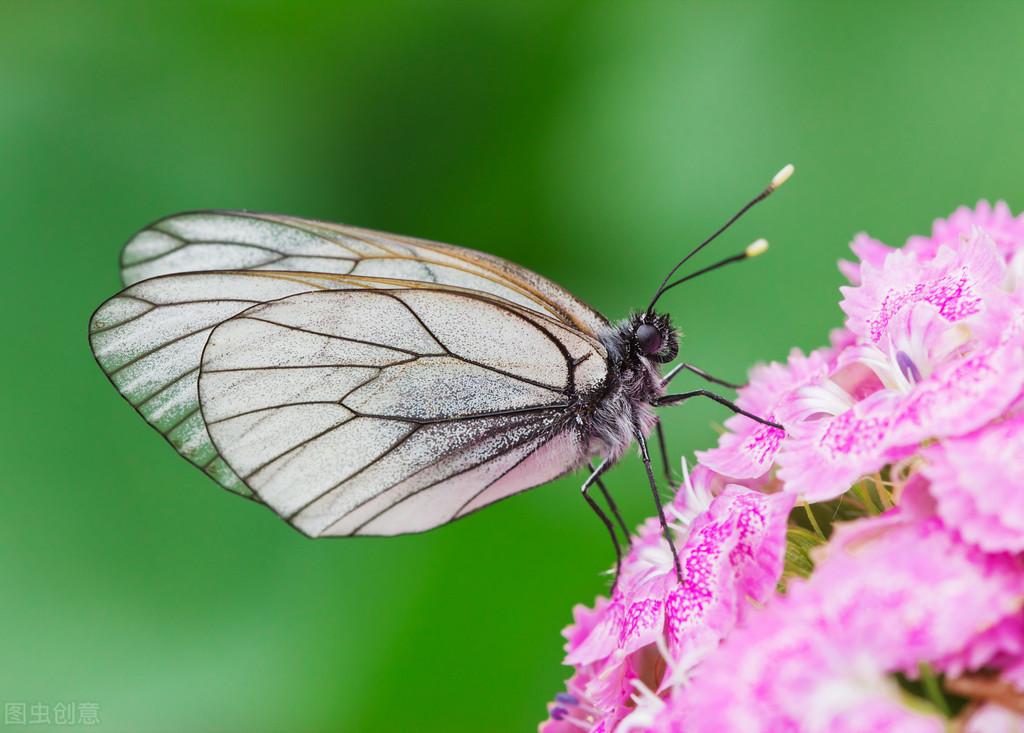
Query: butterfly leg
{"x": 595, "y": 476}
{"x": 674, "y": 372}
{"x": 613, "y": 507}
{"x": 674, "y": 399}
{"x": 657, "y": 502}
{"x": 663, "y": 447}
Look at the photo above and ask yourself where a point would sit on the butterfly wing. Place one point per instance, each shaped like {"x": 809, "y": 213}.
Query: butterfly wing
{"x": 149, "y": 340}
{"x": 233, "y": 240}
{"x": 391, "y": 411}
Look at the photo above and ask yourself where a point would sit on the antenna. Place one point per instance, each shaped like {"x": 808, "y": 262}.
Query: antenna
{"x": 753, "y": 249}
{"x": 781, "y": 177}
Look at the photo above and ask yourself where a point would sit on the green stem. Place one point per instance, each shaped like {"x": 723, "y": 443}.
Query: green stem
{"x": 884, "y": 497}
{"x": 814, "y": 522}
{"x": 865, "y": 496}
{"x": 932, "y": 690}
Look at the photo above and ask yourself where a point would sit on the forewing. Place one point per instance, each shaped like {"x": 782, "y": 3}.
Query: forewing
{"x": 230, "y": 240}
{"x": 387, "y": 412}
{"x": 149, "y": 339}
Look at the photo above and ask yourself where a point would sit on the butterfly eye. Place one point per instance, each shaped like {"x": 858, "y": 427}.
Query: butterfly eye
{"x": 649, "y": 339}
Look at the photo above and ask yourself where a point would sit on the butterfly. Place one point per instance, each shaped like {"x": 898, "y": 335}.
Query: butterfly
{"x": 363, "y": 383}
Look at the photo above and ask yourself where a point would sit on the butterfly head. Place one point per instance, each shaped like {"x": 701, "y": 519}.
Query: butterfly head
{"x": 654, "y": 337}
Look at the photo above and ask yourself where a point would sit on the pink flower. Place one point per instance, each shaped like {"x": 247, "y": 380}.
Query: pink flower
{"x": 571, "y": 711}
{"x": 654, "y": 628}
{"x": 925, "y": 388}
{"x": 784, "y": 674}
{"x": 962, "y": 395}
{"x": 1014, "y": 279}
{"x": 952, "y": 381}
{"x": 999, "y": 647}
{"x": 822, "y": 457}
{"x": 956, "y": 282}
{"x": 868, "y": 250}
{"x": 748, "y": 449}
{"x": 887, "y": 594}
{"x": 992, "y": 718}
{"x": 732, "y": 551}
{"x": 978, "y": 484}
{"x": 904, "y": 589}
{"x": 1013, "y": 671}
{"x": 920, "y": 369}
{"x": 917, "y": 340}
{"x": 998, "y": 222}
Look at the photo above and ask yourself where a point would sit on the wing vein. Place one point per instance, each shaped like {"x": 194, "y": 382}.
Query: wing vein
{"x": 397, "y": 444}
{"x": 301, "y": 444}
{"x": 494, "y": 480}
{"x": 290, "y": 223}
{"x": 309, "y": 366}
{"x": 459, "y": 418}
{"x": 330, "y": 335}
{"x": 180, "y": 421}
{"x": 419, "y": 320}
{"x": 447, "y": 454}
{"x": 125, "y": 322}
{"x": 275, "y": 407}
{"x": 162, "y": 345}
{"x": 163, "y": 388}
{"x": 385, "y": 510}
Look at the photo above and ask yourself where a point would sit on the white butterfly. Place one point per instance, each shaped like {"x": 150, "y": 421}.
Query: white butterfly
{"x": 362, "y": 383}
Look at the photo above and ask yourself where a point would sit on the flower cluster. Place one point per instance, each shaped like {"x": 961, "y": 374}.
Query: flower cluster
{"x": 862, "y": 570}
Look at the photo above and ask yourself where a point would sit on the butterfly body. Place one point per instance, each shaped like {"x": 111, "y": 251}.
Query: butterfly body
{"x": 613, "y": 416}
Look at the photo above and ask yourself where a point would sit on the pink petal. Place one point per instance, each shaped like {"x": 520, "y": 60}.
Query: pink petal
{"x": 998, "y": 222}
{"x": 749, "y": 448}
{"x": 911, "y": 591}
{"x": 822, "y": 458}
{"x": 961, "y": 396}
{"x": 956, "y": 282}
{"x": 978, "y": 484}
{"x": 992, "y": 718}
{"x": 868, "y": 250}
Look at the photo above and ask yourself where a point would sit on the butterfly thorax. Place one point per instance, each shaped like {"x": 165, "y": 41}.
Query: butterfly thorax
{"x": 636, "y": 347}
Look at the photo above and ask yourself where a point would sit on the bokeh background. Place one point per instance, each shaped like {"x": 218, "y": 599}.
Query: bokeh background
{"x": 593, "y": 142}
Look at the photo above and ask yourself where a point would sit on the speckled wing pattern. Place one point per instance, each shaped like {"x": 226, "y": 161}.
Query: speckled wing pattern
{"x": 403, "y": 384}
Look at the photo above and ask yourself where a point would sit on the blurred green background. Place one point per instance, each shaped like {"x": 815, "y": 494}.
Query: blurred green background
{"x": 593, "y": 142}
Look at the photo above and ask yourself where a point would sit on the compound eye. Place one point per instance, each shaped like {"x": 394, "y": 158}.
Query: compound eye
{"x": 649, "y": 339}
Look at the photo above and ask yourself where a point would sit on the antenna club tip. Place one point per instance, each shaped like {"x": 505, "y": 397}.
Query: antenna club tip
{"x": 782, "y": 176}
{"x": 756, "y": 248}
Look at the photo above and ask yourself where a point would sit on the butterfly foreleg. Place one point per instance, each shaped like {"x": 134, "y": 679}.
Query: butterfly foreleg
{"x": 595, "y": 477}
{"x": 645, "y": 455}
{"x": 674, "y": 372}
{"x": 613, "y": 507}
{"x": 674, "y": 399}
{"x": 663, "y": 447}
